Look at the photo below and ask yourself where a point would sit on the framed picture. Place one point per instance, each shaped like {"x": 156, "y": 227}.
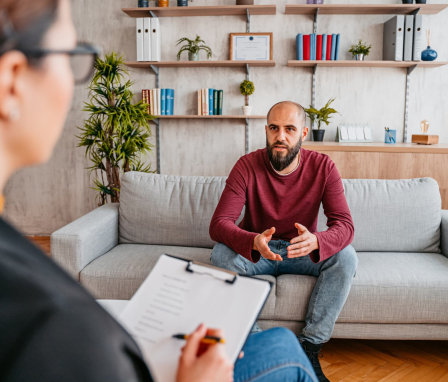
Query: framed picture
{"x": 251, "y": 46}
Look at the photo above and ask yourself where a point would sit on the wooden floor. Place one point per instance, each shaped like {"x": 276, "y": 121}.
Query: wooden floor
{"x": 372, "y": 361}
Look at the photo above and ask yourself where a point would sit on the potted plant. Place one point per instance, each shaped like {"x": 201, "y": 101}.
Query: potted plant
{"x": 117, "y": 131}
{"x": 247, "y": 88}
{"x": 319, "y": 116}
{"x": 244, "y": 2}
{"x": 360, "y": 50}
{"x": 193, "y": 47}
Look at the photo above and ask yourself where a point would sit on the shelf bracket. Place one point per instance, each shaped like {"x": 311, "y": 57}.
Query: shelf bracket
{"x": 247, "y": 21}
{"x": 156, "y": 71}
{"x": 246, "y": 134}
{"x": 316, "y": 14}
{"x": 152, "y": 14}
{"x": 313, "y": 87}
{"x": 415, "y": 11}
{"x": 406, "y": 102}
{"x": 247, "y": 72}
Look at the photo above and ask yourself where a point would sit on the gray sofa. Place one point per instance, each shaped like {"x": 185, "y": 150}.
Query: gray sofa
{"x": 400, "y": 290}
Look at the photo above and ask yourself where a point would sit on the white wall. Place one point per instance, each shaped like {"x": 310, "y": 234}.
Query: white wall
{"x": 42, "y": 199}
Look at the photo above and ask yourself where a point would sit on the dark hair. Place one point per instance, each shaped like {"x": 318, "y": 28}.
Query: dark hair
{"x": 23, "y": 24}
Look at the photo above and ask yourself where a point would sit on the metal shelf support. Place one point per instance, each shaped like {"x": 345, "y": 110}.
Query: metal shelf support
{"x": 316, "y": 14}
{"x": 247, "y": 21}
{"x": 406, "y": 102}
{"x": 246, "y": 133}
{"x": 156, "y": 71}
{"x": 313, "y": 87}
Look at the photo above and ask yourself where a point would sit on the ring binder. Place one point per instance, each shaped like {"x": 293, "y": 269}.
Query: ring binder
{"x": 197, "y": 263}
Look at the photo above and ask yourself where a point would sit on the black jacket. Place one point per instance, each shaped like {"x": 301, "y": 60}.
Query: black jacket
{"x": 51, "y": 329}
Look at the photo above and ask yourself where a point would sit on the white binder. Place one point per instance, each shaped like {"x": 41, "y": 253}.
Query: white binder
{"x": 408, "y": 37}
{"x": 155, "y": 39}
{"x": 393, "y": 39}
{"x": 177, "y": 296}
{"x": 419, "y": 40}
{"x": 139, "y": 38}
{"x": 146, "y": 39}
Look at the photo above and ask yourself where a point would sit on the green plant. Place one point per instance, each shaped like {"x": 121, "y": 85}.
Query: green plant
{"x": 116, "y": 133}
{"x": 247, "y": 88}
{"x": 360, "y": 48}
{"x": 193, "y": 46}
{"x": 321, "y": 115}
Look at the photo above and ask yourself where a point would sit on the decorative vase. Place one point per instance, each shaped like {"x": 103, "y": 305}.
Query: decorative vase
{"x": 429, "y": 54}
{"x": 143, "y": 3}
{"x": 163, "y": 3}
{"x": 244, "y": 2}
{"x": 182, "y": 3}
{"x": 193, "y": 56}
{"x": 407, "y": 1}
{"x": 247, "y": 110}
{"x": 359, "y": 57}
{"x": 318, "y": 135}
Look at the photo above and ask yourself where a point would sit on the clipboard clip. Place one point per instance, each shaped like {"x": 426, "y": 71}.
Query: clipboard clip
{"x": 212, "y": 271}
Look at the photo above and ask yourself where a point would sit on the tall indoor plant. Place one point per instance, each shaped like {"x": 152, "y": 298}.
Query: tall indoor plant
{"x": 318, "y": 116}
{"x": 117, "y": 131}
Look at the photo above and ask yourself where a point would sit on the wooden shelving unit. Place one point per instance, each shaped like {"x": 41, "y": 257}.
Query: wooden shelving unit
{"x": 211, "y": 117}
{"x": 367, "y": 64}
{"x": 363, "y": 9}
{"x": 228, "y": 10}
{"x": 199, "y": 64}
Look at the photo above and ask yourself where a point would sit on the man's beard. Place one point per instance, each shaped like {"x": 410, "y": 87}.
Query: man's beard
{"x": 279, "y": 161}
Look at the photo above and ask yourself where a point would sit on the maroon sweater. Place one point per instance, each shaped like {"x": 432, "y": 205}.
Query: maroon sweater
{"x": 273, "y": 200}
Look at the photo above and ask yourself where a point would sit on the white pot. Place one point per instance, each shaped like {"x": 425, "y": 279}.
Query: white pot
{"x": 247, "y": 110}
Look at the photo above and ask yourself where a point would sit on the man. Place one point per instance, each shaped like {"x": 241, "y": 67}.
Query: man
{"x": 282, "y": 187}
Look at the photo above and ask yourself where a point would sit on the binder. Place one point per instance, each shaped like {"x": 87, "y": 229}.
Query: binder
{"x": 419, "y": 43}
{"x": 155, "y": 39}
{"x": 139, "y": 37}
{"x": 146, "y": 39}
{"x": 220, "y": 101}
{"x": 162, "y": 101}
{"x": 299, "y": 47}
{"x": 324, "y": 47}
{"x": 393, "y": 38}
{"x": 178, "y": 295}
{"x": 408, "y": 37}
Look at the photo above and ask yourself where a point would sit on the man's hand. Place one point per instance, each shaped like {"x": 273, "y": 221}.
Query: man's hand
{"x": 303, "y": 244}
{"x": 261, "y": 245}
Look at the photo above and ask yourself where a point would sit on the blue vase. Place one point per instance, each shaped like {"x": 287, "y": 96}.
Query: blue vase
{"x": 429, "y": 54}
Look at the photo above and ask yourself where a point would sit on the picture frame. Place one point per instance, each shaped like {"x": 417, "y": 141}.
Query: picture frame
{"x": 251, "y": 46}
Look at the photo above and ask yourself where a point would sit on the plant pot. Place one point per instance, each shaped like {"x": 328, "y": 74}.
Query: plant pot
{"x": 182, "y": 3}
{"x": 163, "y": 3}
{"x": 407, "y": 1}
{"x": 193, "y": 56}
{"x": 244, "y": 2}
{"x": 318, "y": 135}
{"x": 359, "y": 57}
{"x": 143, "y": 3}
{"x": 247, "y": 110}
{"x": 420, "y": 1}
{"x": 429, "y": 54}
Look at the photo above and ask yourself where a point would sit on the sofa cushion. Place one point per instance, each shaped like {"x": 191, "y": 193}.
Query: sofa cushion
{"x": 393, "y": 215}
{"x": 168, "y": 209}
{"x": 388, "y": 288}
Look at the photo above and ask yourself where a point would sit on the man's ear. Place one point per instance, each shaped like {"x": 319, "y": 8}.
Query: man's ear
{"x": 305, "y": 132}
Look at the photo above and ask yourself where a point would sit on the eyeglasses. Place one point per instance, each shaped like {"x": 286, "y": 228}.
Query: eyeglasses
{"x": 82, "y": 59}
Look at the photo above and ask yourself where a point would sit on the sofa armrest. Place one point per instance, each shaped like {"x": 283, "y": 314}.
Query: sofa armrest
{"x": 87, "y": 238}
{"x": 444, "y": 233}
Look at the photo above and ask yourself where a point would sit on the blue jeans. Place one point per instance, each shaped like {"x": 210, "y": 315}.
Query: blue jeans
{"x": 334, "y": 280}
{"x": 273, "y": 355}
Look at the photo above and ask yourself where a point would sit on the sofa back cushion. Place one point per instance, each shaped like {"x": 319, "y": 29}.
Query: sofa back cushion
{"x": 168, "y": 209}
{"x": 393, "y": 215}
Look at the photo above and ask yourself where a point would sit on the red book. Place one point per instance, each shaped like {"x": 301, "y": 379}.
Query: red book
{"x": 319, "y": 47}
{"x": 329, "y": 37}
{"x": 306, "y": 46}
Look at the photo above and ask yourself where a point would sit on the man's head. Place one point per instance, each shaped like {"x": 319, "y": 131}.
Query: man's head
{"x": 285, "y": 132}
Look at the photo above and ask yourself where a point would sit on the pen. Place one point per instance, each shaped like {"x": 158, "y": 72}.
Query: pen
{"x": 206, "y": 340}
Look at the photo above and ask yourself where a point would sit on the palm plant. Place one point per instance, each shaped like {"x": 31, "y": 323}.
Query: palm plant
{"x": 116, "y": 133}
{"x": 321, "y": 115}
{"x": 193, "y": 47}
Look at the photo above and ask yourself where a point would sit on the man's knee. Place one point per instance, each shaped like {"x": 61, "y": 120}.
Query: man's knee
{"x": 224, "y": 257}
{"x": 348, "y": 260}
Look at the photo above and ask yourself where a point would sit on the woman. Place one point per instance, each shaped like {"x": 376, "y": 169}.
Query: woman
{"x": 51, "y": 329}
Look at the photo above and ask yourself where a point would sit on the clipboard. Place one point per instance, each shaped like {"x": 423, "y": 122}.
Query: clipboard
{"x": 177, "y": 296}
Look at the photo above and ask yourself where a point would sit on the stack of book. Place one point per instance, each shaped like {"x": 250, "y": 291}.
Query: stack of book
{"x": 317, "y": 46}
{"x": 403, "y": 38}
{"x": 148, "y": 39}
{"x": 159, "y": 101}
{"x": 210, "y": 101}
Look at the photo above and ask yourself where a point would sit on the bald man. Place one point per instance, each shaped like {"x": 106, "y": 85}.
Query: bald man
{"x": 282, "y": 187}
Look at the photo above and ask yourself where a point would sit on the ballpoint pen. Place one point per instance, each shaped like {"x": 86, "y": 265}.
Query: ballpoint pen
{"x": 205, "y": 340}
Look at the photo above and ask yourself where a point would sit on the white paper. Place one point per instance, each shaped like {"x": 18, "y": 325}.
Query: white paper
{"x": 172, "y": 300}
{"x": 251, "y": 47}
{"x": 344, "y": 133}
{"x": 359, "y": 134}
{"x": 351, "y": 133}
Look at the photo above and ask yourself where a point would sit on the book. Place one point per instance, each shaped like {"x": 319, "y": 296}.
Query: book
{"x": 306, "y": 47}
{"x": 329, "y": 42}
{"x": 215, "y": 102}
{"x": 207, "y": 101}
{"x": 333, "y": 46}
{"x": 146, "y": 39}
{"x": 313, "y": 46}
{"x": 155, "y": 39}
{"x": 162, "y": 101}
{"x": 319, "y": 47}
{"x": 408, "y": 37}
{"x": 299, "y": 47}
{"x": 220, "y": 101}
{"x": 170, "y": 101}
{"x": 139, "y": 38}
{"x": 393, "y": 37}
{"x": 324, "y": 47}
{"x": 419, "y": 40}
{"x": 204, "y": 102}
{"x": 152, "y": 101}
{"x": 210, "y": 102}
{"x": 199, "y": 96}
{"x": 336, "y": 54}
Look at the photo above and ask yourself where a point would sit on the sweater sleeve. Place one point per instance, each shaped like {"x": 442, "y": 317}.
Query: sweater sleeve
{"x": 222, "y": 226}
{"x": 340, "y": 230}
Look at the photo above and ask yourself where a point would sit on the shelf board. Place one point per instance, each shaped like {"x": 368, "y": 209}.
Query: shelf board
{"x": 197, "y": 64}
{"x": 210, "y": 117}
{"x": 228, "y": 10}
{"x": 363, "y": 9}
{"x": 368, "y": 64}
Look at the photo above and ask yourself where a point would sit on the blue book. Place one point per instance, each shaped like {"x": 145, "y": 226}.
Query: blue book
{"x": 336, "y": 55}
{"x": 324, "y": 47}
{"x": 210, "y": 102}
{"x": 333, "y": 46}
{"x": 169, "y": 101}
{"x": 299, "y": 47}
{"x": 163, "y": 102}
{"x": 313, "y": 46}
